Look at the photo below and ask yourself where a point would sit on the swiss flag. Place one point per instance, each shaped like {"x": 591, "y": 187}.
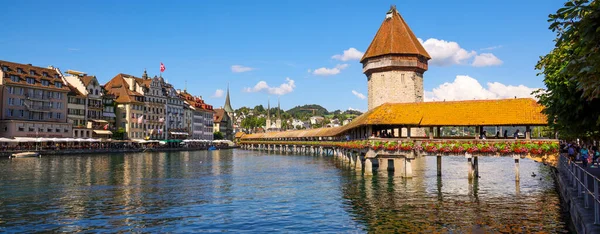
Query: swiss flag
{"x": 162, "y": 67}
{"x": 106, "y": 127}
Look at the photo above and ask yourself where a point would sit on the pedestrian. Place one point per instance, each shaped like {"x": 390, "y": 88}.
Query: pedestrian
{"x": 571, "y": 151}
{"x": 584, "y": 155}
{"x": 516, "y": 135}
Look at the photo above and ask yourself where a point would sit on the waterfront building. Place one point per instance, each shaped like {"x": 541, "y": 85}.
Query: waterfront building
{"x": 108, "y": 110}
{"x": 203, "y": 114}
{"x": 34, "y": 101}
{"x": 188, "y": 118}
{"x": 155, "y": 105}
{"x": 94, "y": 125}
{"x": 222, "y": 123}
{"x": 76, "y": 113}
{"x": 174, "y": 115}
{"x": 394, "y": 63}
{"x": 130, "y": 106}
{"x": 224, "y": 119}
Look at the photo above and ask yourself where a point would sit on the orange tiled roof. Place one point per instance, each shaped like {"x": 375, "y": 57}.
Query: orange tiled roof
{"x": 239, "y": 134}
{"x": 37, "y": 73}
{"x": 86, "y": 80}
{"x": 195, "y": 102}
{"x": 219, "y": 114}
{"x": 394, "y": 37}
{"x": 503, "y": 112}
{"x": 118, "y": 86}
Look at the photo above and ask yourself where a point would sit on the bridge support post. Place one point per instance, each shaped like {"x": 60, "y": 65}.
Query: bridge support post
{"x": 439, "y": 165}
{"x": 358, "y": 164}
{"x": 408, "y": 172}
{"x": 368, "y": 166}
{"x": 469, "y": 164}
{"x": 399, "y": 166}
{"x": 383, "y": 165}
{"x": 516, "y": 157}
{"x": 350, "y": 158}
{"x": 476, "y": 166}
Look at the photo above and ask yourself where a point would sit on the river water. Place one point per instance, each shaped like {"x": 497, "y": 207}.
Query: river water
{"x": 249, "y": 191}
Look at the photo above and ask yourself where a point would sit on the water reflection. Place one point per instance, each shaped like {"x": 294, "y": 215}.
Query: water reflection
{"x": 452, "y": 203}
{"x": 247, "y": 191}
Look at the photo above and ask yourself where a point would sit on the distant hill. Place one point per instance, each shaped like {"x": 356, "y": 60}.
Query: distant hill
{"x": 307, "y": 110}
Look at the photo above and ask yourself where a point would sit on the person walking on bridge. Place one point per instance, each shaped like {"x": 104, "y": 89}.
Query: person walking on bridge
{"x": 584, "y": 155}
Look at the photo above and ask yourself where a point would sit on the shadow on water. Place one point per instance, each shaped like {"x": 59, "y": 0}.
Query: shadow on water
{"x": 247, "y": 191}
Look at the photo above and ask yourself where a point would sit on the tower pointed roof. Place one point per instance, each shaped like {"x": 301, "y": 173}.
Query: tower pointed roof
{"x": 394, "y": 37}
{"x": 227, "y": 106}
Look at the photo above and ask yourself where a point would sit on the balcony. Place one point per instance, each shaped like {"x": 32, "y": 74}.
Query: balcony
{"x": 95, "y": 106}
{"x": 37, "y": 108}
{"x": 37, "y": 97}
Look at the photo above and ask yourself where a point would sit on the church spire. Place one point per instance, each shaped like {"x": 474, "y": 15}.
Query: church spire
{"x": 228, "y": 102}
{"x": 268, "y": 108}
{"x": 278, "y": 109}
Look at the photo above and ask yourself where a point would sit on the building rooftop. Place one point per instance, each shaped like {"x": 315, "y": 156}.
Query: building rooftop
{"x": 394, "y": 37}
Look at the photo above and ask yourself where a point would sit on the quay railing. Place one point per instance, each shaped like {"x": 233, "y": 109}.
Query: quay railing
{"x": 586, "y": 184}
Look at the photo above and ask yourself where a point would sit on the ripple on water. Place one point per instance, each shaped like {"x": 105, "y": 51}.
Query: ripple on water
{"x": 242, "y": 191}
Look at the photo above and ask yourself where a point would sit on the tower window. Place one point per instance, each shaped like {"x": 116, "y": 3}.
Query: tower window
{"x": 402, "y": 78}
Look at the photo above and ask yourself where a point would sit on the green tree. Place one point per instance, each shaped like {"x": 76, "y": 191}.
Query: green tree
{"x": 218, "y": 136}
{"x": 119, "y": 134}
{"x": 571, "y": 71}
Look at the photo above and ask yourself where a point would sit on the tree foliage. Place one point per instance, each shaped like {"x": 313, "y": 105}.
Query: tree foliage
{"x": 571, "y": 70}
{"x": 218, "y": 136}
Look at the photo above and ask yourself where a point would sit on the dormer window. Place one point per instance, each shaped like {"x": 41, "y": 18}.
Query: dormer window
{"x": 14, "y": 78}
{"x": 19, "y": 70}
{"x": 45, "y": 74}
{"x": 56, "y": 76}
{"x": 30, "y": 80}
{"x": 32, "y": 72}
{"x": 4, "y": 68}
{"x": 45, "y": 82}
{"x": 58, "y": 84}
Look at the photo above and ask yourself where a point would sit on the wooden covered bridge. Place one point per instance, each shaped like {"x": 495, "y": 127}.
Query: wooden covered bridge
{"x": 391, "y": 135}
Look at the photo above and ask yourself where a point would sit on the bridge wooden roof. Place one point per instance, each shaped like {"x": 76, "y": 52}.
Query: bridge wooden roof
{"x": 502, "y": 112}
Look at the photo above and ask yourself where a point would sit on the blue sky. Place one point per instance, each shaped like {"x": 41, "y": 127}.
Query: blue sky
{"x": 279, "y": 45}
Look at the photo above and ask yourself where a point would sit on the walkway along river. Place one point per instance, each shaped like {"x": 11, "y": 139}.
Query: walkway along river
{"x": 256, "y": 191}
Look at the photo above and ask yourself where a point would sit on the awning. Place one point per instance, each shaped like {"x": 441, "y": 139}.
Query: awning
{"x": 103, "y": 132}
{"x": 99, "y": 120}
{"x": 109, "y": 114}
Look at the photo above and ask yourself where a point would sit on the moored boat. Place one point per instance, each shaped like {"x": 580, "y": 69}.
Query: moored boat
{"x": 25, "y": 155}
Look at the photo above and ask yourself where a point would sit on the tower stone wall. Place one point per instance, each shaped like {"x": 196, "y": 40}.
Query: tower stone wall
{"x": 394, "y": 86}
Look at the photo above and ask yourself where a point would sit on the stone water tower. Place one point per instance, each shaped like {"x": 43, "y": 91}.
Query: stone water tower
{"x": 394, "y": 63}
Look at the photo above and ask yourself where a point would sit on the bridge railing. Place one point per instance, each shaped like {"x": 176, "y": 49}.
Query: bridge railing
{"x": 586, "y": 184}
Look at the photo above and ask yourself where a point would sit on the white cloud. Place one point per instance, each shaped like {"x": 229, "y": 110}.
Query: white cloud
{"x": 284, "y": 88}
{"x": 330, "y": 71}
{"x": 349, "y": 54}
{"x": 218, "y": 93}
{"x": 358, "y": 95}
{"x": 240, "y": 68}
{"x": 468, "y": 88}
{"x": 486, "y": 59}
{"x": 445, "y": 53}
